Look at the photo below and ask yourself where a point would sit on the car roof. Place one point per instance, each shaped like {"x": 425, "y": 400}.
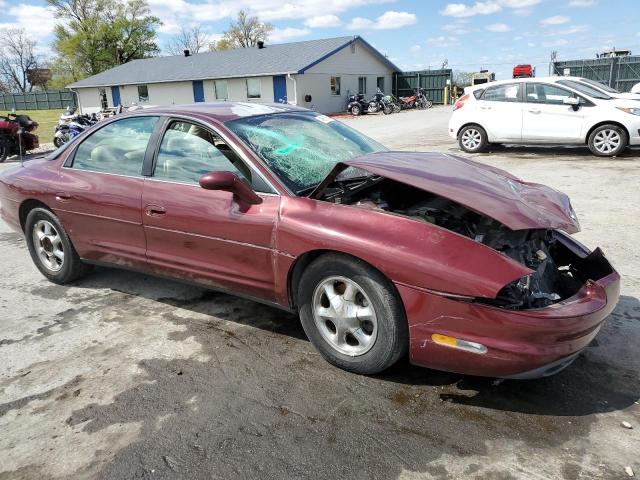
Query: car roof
{"x": 222, "y": 111}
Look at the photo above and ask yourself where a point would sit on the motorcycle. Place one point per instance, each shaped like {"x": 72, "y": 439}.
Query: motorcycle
{"x": 16, "y": 135}
{"x": 407, "y": 102}
{"x": 70, "y": 125}
{"x": 422, "y": 100}
{"x": 357, "y": 105}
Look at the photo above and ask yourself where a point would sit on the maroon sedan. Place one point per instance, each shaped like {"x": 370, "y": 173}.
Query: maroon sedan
{"x": 463, "y": 266}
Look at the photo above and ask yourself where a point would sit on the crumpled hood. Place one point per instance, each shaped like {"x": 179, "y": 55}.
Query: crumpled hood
{"x": 479, "y": 187}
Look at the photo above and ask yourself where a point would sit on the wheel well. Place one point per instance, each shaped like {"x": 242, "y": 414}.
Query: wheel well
{"x": 26, "y": 207}
{"x": 303, "y": 261}
{"x": 607, "y": 123}
{"x": 468, "y": 125}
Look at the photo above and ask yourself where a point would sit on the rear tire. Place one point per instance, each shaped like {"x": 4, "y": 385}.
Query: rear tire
{"x": 51, "y": 249}
{"x": 608, "y": 141}
{"x": 473, "y": 139}
{"x": 366, "y": 342}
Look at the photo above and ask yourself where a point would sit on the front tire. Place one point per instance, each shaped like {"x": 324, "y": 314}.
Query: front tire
{"x": 608, "y": 141}
{"x": 50, "y": 248}
{"x": 473, "y": 139}
{"x": 352, "y": 314}
{"x": 356, "y": 110}
{"x": 4, "y": 152}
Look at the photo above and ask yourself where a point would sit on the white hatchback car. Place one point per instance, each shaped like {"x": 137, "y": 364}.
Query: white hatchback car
{"x": 544, "y": 111}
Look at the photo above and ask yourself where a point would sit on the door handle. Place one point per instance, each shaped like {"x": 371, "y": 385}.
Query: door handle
{"x": 485, "y": 108}
{"x": 63, "y": 196}
{"x": 535, "y": 112}
{"x": 154, "y": 210}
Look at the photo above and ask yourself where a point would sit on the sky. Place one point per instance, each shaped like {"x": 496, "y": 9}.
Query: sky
{"x": 415, "y": 35}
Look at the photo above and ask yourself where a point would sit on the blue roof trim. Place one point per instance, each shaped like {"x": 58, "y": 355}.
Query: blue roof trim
{"x": 354, "y": 39}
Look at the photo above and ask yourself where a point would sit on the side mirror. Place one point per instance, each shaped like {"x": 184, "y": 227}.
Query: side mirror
{"x": 230, "y": 182}
{"x": 573, "y": 101}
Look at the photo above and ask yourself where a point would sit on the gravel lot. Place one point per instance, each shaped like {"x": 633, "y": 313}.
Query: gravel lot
{"x": 126, "y": 376}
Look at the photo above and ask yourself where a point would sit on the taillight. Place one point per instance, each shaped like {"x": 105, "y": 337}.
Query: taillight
{"x": 461, "y": 101}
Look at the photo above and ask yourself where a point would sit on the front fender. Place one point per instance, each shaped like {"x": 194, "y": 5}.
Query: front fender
{"x": 407, "y": 251}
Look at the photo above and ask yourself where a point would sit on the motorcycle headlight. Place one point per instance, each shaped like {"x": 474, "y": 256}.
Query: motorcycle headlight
{"x": 632, "y": 111}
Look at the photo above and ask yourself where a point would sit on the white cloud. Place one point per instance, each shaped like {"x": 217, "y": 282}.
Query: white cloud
{"x": 531, "y": 44}
{"x": 178, "y": 13}
{"x": 555, "y": 20}
{"x": 282, "y": 34}
{"x": 567, "y": 31}
{"x": 443, "y": 41}
{"x": 498, "y": 28}
{"x": 582, "y": 3}
{"x": 461, "y": 10}
{"x": 555, "y": 43}
{"x": 323, "y": 21}
{"x": 386, "y": 21}
{"x": 36, "y": 20}
{"x": 459, "y": 27}
{"x": 415, "y": 48}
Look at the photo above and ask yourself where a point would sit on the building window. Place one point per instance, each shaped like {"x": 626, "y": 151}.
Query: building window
{"x": 380, "y": 83}
{"x": 143, "y": 94}
{"x": 254, "y": 86}
{"x": 220, "y": 87}
{"x": 335, "y": 85}
{"x": 103, "y": 99}
{"x": 362, "y": 84}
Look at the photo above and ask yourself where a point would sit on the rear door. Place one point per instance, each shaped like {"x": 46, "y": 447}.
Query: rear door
{"x": 547, "y": 119}
{"x": 100, "y": 190}
{"x": 201, "y": 235}
{"x": 499, "y": 110}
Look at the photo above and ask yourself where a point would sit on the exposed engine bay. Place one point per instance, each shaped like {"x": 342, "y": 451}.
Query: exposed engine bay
{"x": 558, "y": 272}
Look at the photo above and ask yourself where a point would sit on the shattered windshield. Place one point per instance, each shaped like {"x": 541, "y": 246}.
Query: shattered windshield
{"x": 301, "y": 148}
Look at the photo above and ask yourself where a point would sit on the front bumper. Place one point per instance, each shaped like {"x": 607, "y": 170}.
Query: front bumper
{"x": 519, "y": 343}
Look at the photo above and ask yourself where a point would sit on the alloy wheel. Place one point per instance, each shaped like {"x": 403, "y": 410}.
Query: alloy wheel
{"x": 471, "y": 138}
{"x": 607, "y": 141}
{"x": 345, "y": 316}
{"x": 48, "y": 245}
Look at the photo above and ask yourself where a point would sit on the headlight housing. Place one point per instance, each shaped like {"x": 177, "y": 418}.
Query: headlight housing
{"x": 632, "y": 111}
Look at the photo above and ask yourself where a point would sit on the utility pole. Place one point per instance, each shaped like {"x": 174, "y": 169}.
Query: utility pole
{"x": 554, "y": 56}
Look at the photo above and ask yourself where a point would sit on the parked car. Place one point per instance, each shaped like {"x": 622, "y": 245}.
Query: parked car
{"x": 524, "y": 71}
{"x": 544, "y": 111}
{"x": 463, "y": 266}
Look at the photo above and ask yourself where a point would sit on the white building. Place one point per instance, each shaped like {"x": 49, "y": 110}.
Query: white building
{"x": 316, "y": 74}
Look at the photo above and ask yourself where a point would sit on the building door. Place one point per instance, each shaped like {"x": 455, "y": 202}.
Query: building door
{"x": 198, "y": 91}
{"x": 279, "y": 89}
{"x": 115, "y": 95}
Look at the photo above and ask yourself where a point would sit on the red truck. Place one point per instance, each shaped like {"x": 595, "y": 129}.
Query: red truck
{"x": 524, "y": 71}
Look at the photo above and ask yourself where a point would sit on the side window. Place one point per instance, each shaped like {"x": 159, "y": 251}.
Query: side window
{"x": 116, "y": 148}
{"x": 188, "y": 151}
{"x": 548, "y": 94}
{"x": 503, "y": 93}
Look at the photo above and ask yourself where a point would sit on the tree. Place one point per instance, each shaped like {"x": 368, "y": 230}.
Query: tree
{"x": 193, "y": 39}
{"x": 222, "y": 44}
{"x": 17, "y": 57}
{"x": 461, "y": 78}
{"x": 96, "y": 35}
{"x": 245, "y": 32}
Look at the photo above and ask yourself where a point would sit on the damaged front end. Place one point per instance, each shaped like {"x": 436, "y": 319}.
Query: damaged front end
{"x": 559, "y": 266}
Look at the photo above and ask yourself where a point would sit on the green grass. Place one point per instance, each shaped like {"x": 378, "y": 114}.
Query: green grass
{"x": 47, "y": 120}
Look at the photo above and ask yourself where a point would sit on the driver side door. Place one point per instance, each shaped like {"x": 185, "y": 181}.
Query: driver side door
{"x": 207, "y": 236}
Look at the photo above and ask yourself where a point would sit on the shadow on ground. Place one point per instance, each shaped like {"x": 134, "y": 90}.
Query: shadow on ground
{"x": 261, "y": 403}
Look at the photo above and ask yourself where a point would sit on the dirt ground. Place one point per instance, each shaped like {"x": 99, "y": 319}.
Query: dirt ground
{"x": 126, "y": 376}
